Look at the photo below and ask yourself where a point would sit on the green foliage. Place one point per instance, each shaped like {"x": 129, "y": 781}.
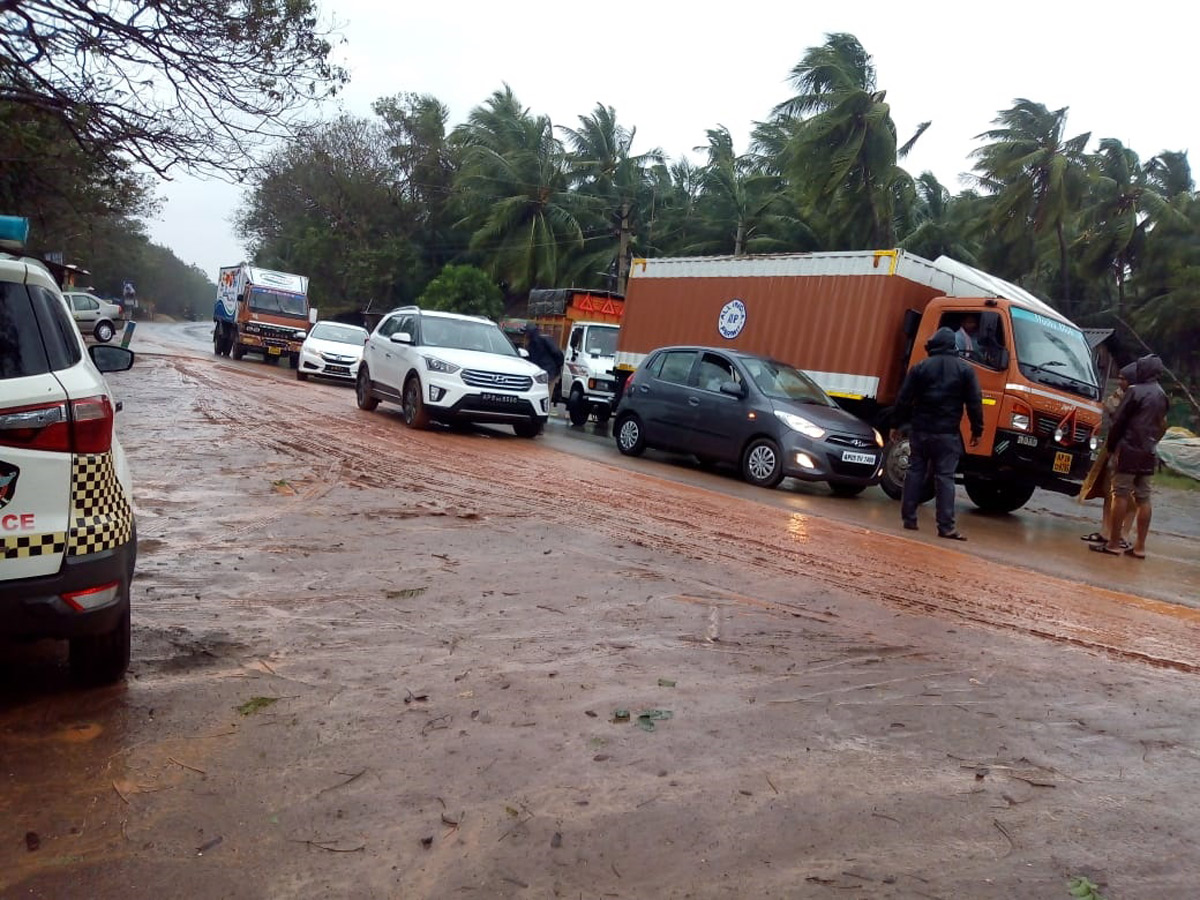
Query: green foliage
{"x": 464, "y": 289}
{"x": 1083, "y": 889}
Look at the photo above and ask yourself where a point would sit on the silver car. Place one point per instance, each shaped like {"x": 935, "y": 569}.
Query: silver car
{"x": 99, "y": 317}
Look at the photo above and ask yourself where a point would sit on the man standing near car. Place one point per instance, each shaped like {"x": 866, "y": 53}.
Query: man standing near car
{"x": 932, "y": 398}
{"x": 544, "y": 354}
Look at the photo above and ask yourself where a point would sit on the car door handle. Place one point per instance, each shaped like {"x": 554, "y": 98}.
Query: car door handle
{"x": 693, "y": 401}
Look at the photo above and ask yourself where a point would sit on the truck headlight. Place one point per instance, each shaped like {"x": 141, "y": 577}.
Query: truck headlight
{"x": 800, "y": 424}
{"x": 1093, "y": 443}
{"x": 433, "y": 364}
{"x": 1020, "y": 421}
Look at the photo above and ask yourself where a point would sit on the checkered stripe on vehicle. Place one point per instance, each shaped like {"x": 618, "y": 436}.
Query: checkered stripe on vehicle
{"x": 52, "y": 543}
{"x": 100, "y": 515}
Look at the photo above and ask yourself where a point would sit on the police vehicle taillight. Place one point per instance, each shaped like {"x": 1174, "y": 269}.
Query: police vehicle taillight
{"x": 78, "y": 426}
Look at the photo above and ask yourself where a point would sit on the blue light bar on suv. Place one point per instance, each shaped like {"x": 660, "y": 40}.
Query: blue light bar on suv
{"x": 14, "y": 228}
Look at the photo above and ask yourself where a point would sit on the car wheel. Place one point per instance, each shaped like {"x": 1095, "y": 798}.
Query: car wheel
{"x": 846, "y": 490}
{"x": 762, "y": 463}
{"x": 631, "y": 438}
{"x": 104, "y": 332}
{"x": 301, "y": 376}
{"x": 362, "y": 390}
{"x": 577, "y": 408}
{"x": 413, "y": 407}
{"x": 237, "y": 351}
{"x": 895, "y": 470}
{"x": 530, "y": 429}
{"x": 101, "y": 658}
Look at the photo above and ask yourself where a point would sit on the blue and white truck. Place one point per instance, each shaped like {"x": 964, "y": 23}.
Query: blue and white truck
{"x": 261, "y": 311}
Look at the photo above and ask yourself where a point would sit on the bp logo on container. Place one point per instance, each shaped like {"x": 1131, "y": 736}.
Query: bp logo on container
{"x": 732, "y": 319}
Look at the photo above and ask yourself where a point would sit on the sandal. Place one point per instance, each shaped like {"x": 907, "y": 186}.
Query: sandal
{"x": 1103, "y": 548}
{"x": 1130, "y": 552}
{"x": 952, "y": 536}
{"x": 1094, "y": 538}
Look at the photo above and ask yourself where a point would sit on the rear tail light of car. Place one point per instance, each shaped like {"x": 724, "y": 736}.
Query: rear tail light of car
{"x": 93, "y": 597}
{"x": 75, "y": 426}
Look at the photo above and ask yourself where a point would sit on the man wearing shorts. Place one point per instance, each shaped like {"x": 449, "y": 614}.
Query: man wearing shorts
{"x": 1138, "y": 426}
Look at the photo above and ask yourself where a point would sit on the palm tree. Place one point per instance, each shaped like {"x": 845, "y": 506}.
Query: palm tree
{"x": 514, "y": 185}
{"x": 939, "y": 227}
{"x": 843, "y": 149}
{"x": 615, "y": 182}
{"x": 1037, "y": 177}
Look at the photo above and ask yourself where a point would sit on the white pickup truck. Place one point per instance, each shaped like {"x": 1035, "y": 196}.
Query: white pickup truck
{"x": 588, "y": 384}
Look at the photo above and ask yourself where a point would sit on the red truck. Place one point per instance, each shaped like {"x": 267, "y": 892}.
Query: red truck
{"x": 856, "y": 321}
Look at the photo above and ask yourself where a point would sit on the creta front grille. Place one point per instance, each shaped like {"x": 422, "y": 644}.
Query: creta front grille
{"x": 496, "y": 380}
{"x": 1045, "y": 425}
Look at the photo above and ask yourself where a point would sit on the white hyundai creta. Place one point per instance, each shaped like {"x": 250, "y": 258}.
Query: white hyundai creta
{"x": 68, "y": 543}
{"x": 447, "y": 367}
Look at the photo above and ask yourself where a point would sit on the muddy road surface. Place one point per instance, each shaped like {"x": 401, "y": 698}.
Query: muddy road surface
{"x": 372, "y": 662}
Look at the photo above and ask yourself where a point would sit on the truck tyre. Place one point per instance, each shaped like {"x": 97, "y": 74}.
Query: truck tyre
{"x": 413, "y": 407}
{"x": 997, "y": 496}
{"x": 269, "y": 359}
{"x": 895, "y": 469}
{"x": 101, "y": 658}
{"x": 362, "y": 390}
{"x": 237, "y": 351}
{"x": 846, "y": 490}
{"x": 294, "y": 361}
{"x": 577, "y": 408}
{"x": 631, "y": 437}
{"x": 217, "y": 340}
{"x": 104, "y": 331}
{"x": 530, "y": 429}
{"x": 762, "y": 463}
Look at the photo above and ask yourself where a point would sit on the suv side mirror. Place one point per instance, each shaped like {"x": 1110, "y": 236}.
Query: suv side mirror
{"x": 401, "y": 337}
{"x": 110, "y": 359}
{"x": 312, "y": 315}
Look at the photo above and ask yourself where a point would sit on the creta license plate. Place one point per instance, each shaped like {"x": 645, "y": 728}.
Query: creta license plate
{"x": 867, "y": 459}
{"x": 1062, "y": 463}
{"x": 499, "y": 398}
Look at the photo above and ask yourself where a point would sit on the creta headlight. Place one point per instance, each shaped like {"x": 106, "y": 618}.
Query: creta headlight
{"x": 541, "y": 378}
{"x": 800, "y": 424}
{"x": 433, "y": 364}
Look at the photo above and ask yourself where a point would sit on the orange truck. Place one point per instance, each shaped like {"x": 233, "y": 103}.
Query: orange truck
{"x": 856, "y": 321}
{"x": 585, "y": 325}
{"x": 261, "y": 311}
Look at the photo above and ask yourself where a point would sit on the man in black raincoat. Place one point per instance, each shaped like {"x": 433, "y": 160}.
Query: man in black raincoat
{"x": 1138, "y": 425}
{"x": 933, "y": 397}
{"x": 544, "y": 354}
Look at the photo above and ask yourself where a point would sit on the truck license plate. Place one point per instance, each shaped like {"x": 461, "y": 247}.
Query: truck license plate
{"x": 274, "y": 351}
{"x": 1062, "y": 463}
{"x": 867, "y": 459}
{"x": 499, "y": 398}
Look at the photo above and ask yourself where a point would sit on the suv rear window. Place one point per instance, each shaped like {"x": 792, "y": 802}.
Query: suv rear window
{"x": 58, "y": 329}
{"x": 21, "y": 350}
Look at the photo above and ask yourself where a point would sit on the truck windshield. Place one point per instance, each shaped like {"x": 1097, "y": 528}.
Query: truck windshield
{"x": 1053, "y": 353}
{"x": 268, "y": 301}
{"x": 783, "y": 382}
{"x": 602, "y": 341}
{"x": 464, "y": 334}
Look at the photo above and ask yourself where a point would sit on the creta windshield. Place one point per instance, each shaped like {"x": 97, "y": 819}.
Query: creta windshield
{"x": 1053, "y": 353}
{"x": 267, "y": 301}
{"x": 602, "y": 341}
{"x": 462, "y": 334}
{"x": 342, "y": 334}
{"x": 780, "y": 381}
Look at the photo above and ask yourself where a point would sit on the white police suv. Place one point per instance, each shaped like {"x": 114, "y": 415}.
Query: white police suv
{"x": 67, "y": 538}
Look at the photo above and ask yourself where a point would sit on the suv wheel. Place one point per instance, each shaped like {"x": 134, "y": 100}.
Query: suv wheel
{"x": 530, "y": 429}
{"x": 761, "y": 463}
{"x": 362, "y": 390}
{"x": 101, "y": 658}
{"x": 104, "y": 332}
{"x": 413, "y": 407}
{"x": 631, "y": 439}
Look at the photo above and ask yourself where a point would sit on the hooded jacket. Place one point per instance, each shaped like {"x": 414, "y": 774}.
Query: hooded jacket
{"x": 936, "y": 390}
{"x": 1141, "y": 420}
{"x": 543, "y": 352}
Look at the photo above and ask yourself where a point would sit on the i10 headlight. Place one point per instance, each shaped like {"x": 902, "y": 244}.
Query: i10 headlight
{"x": 1020, "y": 422}
{"x": 800, "y": 424}
{"x": 878, "y": 437}
{"x": 433, "y": 364}
{"x": 541, "y": 378}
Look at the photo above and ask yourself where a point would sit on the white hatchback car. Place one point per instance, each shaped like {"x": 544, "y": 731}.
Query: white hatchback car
{"x": 68, "y": 541}
{"x": 447, "y": 367}
{"x": 331, "y": 350}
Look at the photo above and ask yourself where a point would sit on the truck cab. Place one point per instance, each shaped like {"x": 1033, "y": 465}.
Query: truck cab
{"x": 1040, "y": 399}
{"x": 588, "y": 383}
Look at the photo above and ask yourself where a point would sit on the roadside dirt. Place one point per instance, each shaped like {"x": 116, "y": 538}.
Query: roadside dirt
{"x": 377, "y": 663}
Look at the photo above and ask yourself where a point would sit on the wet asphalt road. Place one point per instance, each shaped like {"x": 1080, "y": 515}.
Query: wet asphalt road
{"x": 1044, "y": 536}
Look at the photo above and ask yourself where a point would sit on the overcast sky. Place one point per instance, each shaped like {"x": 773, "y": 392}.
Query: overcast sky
{"x": 674, "y": 70}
